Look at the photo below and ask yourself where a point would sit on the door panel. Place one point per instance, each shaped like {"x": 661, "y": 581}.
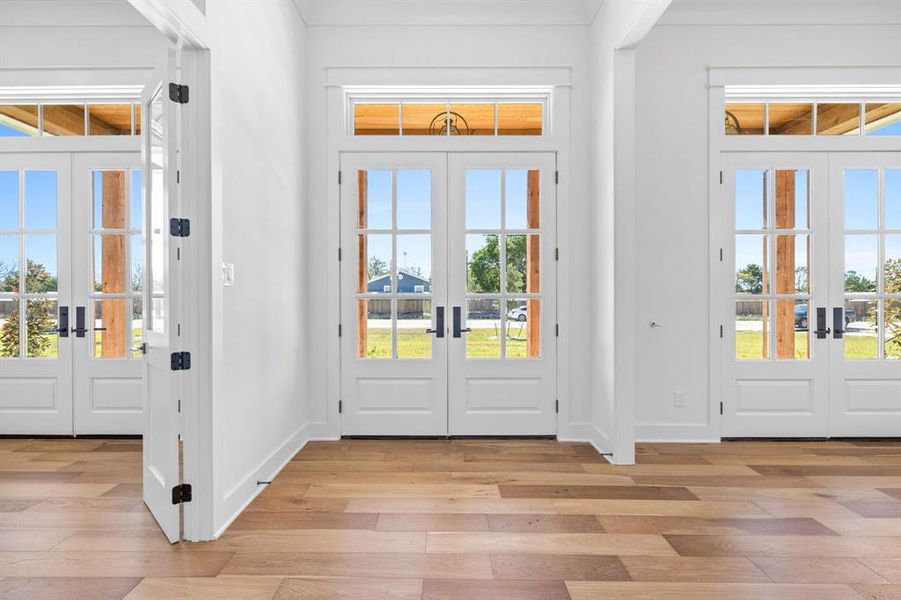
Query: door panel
{"x": 865, "y": 293}
{"x": 35, "y": 280}
{"x": 108, "y": 266}
{"x": 162, "y": 389}
{"x": 393, "y": 291}
{"x": 502, "y": 294}
{"x": 775, "y": 364}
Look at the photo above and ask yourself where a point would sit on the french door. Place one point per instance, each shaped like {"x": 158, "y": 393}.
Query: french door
{"x": 813, "y": 345}
{"x": 448, "y": 294}
{"x": 68, "y": 226}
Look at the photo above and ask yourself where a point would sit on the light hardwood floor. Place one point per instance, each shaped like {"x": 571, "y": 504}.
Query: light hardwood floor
{"x": 470, "y": 520}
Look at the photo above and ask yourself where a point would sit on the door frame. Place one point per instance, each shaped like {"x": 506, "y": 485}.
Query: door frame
{"x": 556, "y": 140}
{"x": 719, "y": 227}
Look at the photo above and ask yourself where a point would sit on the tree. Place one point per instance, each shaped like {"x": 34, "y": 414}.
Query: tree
{"x": 855, "y": 282}
{"x": 377, "y": 267}
{"x": 893, "y": 308}
{"x": 749, "y": 280}
{"x": 41, "y": 314}
{"x": 484, "y": 275}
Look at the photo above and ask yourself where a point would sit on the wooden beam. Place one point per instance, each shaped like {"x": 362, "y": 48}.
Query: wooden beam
{"x": 785, "y": 264}
{"x": 533, "y": 265}
{"x": 362, "y": 266}
{"x": 765, "y": 276}
{"x": 115, "y": 337}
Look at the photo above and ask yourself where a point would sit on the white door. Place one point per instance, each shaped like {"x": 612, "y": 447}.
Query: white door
{"x": 35, "y": 281}
{"x": 393, "y": 298}
{"x": 776, "y": 342}
{"x": 162, "y": 383}
{"x": 865, "y": 294}
{"x": 502, "y": 294}
{"x": 107, "y": 259}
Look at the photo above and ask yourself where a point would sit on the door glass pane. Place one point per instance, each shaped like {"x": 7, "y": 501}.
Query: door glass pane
{"x": 892, "y": 271}
{"x": 110, "y": 328}
{"x": 18, "y": 120}
{"x": 861, "y": 263}
{"x": 523, "y": 328}
{"x": 9, "y": 199}
{"x": 750, "y": 199}
{"x": 483, "y": 198}
{"x": 137, "y": 326}
{"x": 40, "y": 253}
{"x": 137, "y": 199}
{"x": 883, "y": 118}
{"x": 40, "y": 199}
{"x": 482, "y": 264}
{"x": 414, "y": 316}
{"x": 792, "y": 338}
{"x": 137, "y": 263}
{"x": 414, "y": 272}
{"x": 414, "y": 199}
{"x": 791, "y": 199}
{"x": 109, "y": 263}
{"x": 9, "y": 263}
{"x": 374, "y": 328}
{"x": 424, "y": 119}
{"x": 861, "y": 336}
{"x": 893, "y": 329}
{"x": 472, "y": 119}
{"x": 375, "y": 199}
{"x": 838, "y": 119}
{"x": 751, "y": 275}
{"x": 483, "y": 317}
{"x": 752, "y": 329}
{"x": 792, "y": 265}
{"x": 64, "y": 119}
{"x": 9, "y": 327}
{"x": 40, "y": 321}
{"x": 375, "y": 269}
{"x": 523, "y": 264}
{"x": 158, "y": 215}
{"x": 109, "y": 199}
{"x": 861, "y": 198}
{"x": 893, "y": 198}
{"x": 791, "y": 118}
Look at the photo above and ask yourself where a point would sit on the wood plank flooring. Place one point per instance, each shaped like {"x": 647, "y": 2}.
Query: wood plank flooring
{"x": 471, "y": 520}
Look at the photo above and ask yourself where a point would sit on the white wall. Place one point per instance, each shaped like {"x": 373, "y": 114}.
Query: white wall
{"x": 484, "y": 45}
{"x": 259, "y": 331}
{"x": 672, "y": 178}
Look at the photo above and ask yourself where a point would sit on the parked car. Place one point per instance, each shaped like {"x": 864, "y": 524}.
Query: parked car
{"x": 518, "y": 313}
{"x": 801, "y": 319}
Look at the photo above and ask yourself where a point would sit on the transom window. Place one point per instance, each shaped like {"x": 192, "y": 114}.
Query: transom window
{"x": 70, "y": 119}
{"x": 810, "y": 117}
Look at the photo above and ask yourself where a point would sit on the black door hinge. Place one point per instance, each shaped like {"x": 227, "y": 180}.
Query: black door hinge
{"x": 340, "y": 406}
{"x": 721, "y": 331}
{"x": 178, "y": 93}
{"x": 556, "y": 406}
{"x": 339, "y": 254}
{"x": 179, "y": 227}
{"x": 557, "y": 330}
{"x": 721, "y": 408}
{"x": 721, "y": 178}
{"x": 556, "y": 177}
{"x": 556, "y": 253}
{"x": 339, "y": 330}
{"x": 180, "y": 361}
{"x": 181, "y": 493}
{"x": 339, "y": 177}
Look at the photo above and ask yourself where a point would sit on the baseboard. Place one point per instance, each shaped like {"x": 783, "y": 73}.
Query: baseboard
{"x": 241, "y": 495}
{"x": 588, "y": 433}
{"x": 687, "y": 433}
{"x": 323, "y": 431}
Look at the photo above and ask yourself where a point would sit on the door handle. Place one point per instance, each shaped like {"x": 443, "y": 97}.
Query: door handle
{"x": 142, "y": 348}
{"x": 63, "y": 323}
{"x": 822, "y": 331}
{"x": 838, "y": 322}
{"x": 79, "y": 329}
{"x": 439, "y": 323}
{"x": 458, "y": 318}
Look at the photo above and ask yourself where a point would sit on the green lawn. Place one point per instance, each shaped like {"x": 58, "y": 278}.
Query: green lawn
{"x": 415, "y": 343}
{"x": 748, "y": 344}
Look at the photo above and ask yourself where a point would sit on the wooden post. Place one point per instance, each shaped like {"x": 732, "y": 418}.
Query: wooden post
{"x": 113, "y": 261}
{"x": 363, "y": 268}
{"x": 785, "y": 264}
{"x": 533, "y": 266}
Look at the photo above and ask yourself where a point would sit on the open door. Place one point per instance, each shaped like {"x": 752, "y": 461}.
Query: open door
{"x": 162, "y": 490}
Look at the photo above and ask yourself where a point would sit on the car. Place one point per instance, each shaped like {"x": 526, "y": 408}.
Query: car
{"x": 518, "y": 313}
{"x": 801, "y": 319}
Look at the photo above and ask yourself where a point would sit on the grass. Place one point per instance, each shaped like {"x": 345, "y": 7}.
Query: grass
{"x": 748, "y": 344}
{"x": 415, "y": 343}
{"x": 136, "y": 334}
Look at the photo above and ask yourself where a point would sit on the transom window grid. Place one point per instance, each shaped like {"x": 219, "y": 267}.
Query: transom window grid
{"x": 101, "y": 118}
{"x": 813, "y": 117}
{"x": 117, "y": 245}
{"x": 28, "y": 266}
{"x": 510, "y": 302}
{"x": 880, "y": 307}
{"x": 515, "y": 116}
{"x": 784, "y": 298}
{"x": 371, "y": 304}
